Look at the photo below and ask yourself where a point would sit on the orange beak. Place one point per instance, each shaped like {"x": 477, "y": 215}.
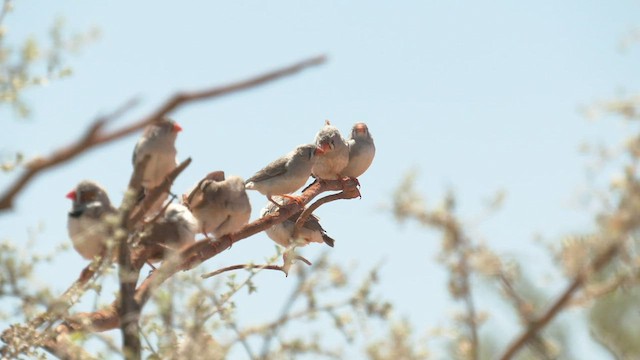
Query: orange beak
{"x": 71, "y": 195}
{"x": 177, "y": 127}
{"x": 318, "y": 151}
{"x": 325, "y": 146}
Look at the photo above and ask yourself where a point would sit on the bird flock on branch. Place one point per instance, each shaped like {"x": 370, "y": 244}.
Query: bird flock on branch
{"x": 217, "y": 205}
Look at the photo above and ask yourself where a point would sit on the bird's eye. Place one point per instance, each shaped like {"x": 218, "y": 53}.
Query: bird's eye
{"x": 332, "y": 143}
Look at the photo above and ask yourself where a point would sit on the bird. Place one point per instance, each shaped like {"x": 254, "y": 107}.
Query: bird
{"x": 286, "y": 174}
{"x": 361, "y": 151}
{"x": 157, "y": 141}
{"x": 282, "y": 233}
{"x": 86, "y": 223}
{"x": 174, "y": 230}
{"x": 221, "y": 206}
{"x": 336, "y": 153}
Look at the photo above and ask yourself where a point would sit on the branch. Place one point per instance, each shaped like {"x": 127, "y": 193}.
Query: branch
{"x": 242, "y": 266}
{"x": 252, "y": 266}
{"x": 62, "y": 155}
{"x": 194, "y": 255}
{"x": 537, "y": 325}
{"x": 96, "y": 135}
{"x": 349, "y": 193}
{"x": 129, "y": 311}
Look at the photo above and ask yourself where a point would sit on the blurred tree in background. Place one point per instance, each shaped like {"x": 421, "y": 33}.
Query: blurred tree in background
{"x": 190, "y": 317}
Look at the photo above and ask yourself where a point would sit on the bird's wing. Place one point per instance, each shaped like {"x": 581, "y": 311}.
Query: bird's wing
{"x": 276, "y": 168}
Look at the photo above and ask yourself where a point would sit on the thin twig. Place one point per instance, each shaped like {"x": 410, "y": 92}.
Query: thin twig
{"x": 234, "y": 327}
{"x": 242, "y": 266}
{"x": 97, "y": 136}
{"x": 472, "y": 317}
{"x": 352, "y": 193}
{"x": 286, "y": 308}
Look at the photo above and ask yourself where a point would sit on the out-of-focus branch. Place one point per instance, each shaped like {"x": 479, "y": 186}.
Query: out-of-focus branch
{"x": 524, "y": 309}
{"x": 194, "y": 255}
{"x": 62, "y": 155}
{"x": 96, "y": 134}
{"x": 576, "y": 284}
{"x": 129, "y": 311}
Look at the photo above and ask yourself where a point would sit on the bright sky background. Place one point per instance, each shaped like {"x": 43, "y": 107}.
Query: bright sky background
{"x": 477, "y": 96}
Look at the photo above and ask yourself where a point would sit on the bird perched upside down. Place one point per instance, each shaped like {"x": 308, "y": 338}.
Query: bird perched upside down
{"x": 220, "y": 205}
{"x": 286, "y": 174}
{"x": 86, "y": 222}
{"x": 282, "y": 233}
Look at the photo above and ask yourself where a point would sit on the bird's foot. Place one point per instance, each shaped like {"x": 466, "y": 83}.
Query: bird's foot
{"x": 296, "y": 199}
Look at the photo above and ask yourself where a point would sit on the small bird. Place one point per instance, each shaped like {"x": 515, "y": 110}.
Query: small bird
{"x": 220, "y": 205}
{"x": 86, "y": 223}
{"x": 286, "y": 174}
{"x": 361, "y": 151}
{"x": 336, "y": 153}
{"x": 175, "y": 229}
{"x": 157, "y": 141}
{"x": 282, "y": 233}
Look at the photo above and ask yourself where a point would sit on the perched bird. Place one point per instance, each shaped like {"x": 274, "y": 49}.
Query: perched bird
{"x": 220, "y": 205}
{"x": 175, "y": 229}
{"x": 361, "y": 151}
{"x": 287, "y": 174}
{"x": 282, "y": 233}
{"x": 336, "y": 153}
{"x": 86, "y": 223}
{"x": 157, "y": 141}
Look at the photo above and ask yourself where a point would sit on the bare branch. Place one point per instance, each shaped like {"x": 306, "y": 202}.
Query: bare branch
{"x": 129, "y": 311}
{"x": 96, "y": 136}
{"x": 351, "y": 194}
{"x": 253, "y": 266}
{"x": 578, "y": 282}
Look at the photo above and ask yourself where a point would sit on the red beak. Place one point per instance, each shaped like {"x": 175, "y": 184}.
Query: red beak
{"x": 177, "y": 127}
{"x": 325, "y": 147}
{"x": 318, "y": 151}
{"x": 71, "y": 195}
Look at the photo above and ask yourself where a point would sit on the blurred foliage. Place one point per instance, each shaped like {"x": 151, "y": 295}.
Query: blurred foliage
{"x": 33, "y": 62}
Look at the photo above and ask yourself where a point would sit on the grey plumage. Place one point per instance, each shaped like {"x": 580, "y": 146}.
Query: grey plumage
{"x": 220, "y": 205}
{"x": 286, "y": 174}
{"x": 336, "y": 153}
{"x": 175, "y": 229}
{"x": 157, "y": 141}
{"x": 282, "y": 234}
{"x": 361, "y": 151}
{"x": 86, "y": 223}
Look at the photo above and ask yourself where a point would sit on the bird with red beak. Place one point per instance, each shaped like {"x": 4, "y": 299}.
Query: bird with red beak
{"x": 361, "y": 151}
{"x": 336, "y": 153}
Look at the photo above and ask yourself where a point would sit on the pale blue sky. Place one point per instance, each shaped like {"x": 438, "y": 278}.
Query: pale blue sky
{"x": 478, "y": 96}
